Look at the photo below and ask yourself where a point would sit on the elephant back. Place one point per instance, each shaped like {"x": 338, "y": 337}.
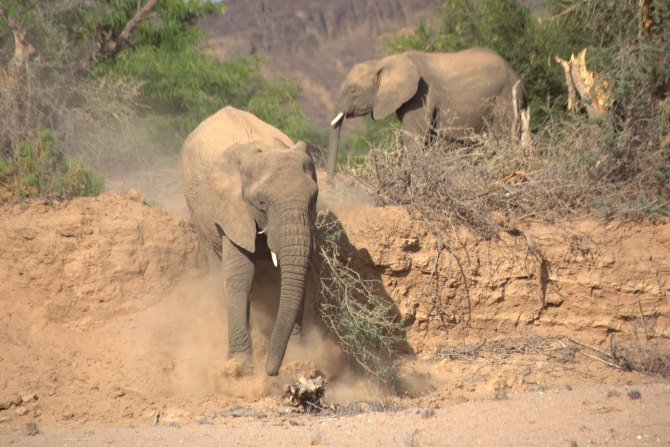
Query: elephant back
{"x": 217, "y": 133}
{"x": 227, "y": 127}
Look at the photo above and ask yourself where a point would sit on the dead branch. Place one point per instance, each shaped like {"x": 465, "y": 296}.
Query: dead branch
{"x": 108, "y": 47}
{"x": 306, "y": 394}
{"x": 596, "y": 96}
{"x": 22, "y": 53}
{"x": 572, "y": 96}
{"x": 646, "y": 18}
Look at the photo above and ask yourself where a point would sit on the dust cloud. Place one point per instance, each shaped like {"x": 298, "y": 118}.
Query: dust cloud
{"x": 184, "y": 344}
{"x": 185, "y": 336}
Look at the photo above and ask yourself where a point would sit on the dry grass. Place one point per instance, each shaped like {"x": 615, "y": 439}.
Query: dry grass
{"x": 97, "y": 122}
{"x": 574, "y": 166}
{"x": 648, "y": 358}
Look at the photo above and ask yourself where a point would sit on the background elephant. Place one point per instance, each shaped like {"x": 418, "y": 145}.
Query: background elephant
{"x": 450, "y": 94}
{"x": 247, "y": 183}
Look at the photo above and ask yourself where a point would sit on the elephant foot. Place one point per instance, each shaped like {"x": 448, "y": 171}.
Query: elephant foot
{"x": 238, "y": 366}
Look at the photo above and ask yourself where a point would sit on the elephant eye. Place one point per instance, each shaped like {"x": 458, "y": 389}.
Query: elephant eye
{"x": 261, "y": 202}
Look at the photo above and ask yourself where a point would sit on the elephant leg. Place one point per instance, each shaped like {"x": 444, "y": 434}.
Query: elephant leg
{"x": 238, "y": 273}
{"x": 417, "y": 125}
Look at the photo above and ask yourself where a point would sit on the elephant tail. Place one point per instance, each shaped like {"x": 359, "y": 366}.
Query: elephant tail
{"x": 521, "y": 118}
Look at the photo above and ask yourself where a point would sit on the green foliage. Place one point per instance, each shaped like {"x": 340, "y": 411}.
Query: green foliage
{"x": 350, "y": 306}
{"x": 179, "y": 79}
{"x": 597, "y": 23}
{"x": 188, "y": 82}
{"x": 374, "y": 134}
{"x": 170, "y": 24}
{"x": 139, "y": 104}
{"x": 40, "y": 169}
{"x": 275, "y": 103}
{"x": 637, "y": 65}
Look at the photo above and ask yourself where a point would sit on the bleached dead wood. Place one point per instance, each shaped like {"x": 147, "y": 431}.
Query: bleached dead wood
{"x": 594, "y": 95}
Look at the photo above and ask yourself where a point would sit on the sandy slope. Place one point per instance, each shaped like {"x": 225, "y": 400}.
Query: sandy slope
{"x": 108, "y": 326}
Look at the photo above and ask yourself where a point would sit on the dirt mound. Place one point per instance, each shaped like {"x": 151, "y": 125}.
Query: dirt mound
{"x": 106, "y": 319}
{"x": 94, "y": 258}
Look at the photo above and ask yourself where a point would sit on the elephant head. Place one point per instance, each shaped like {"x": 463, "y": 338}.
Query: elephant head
{"x": 239, "y": 191}
{"x": 379, "y": 87}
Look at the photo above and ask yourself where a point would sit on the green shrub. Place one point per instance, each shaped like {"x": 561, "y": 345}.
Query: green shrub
{"x": 40, "y": 169}
{"x": 136, "y": 106}
{"x": 362, "y": 321}
{"x": 181, "y": 84}
{"x": 275, "y": 103}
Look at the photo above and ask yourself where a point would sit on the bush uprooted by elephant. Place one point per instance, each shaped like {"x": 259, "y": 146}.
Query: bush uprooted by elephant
{"x": 447, "y": 94}
{"x": 245, "y": 183}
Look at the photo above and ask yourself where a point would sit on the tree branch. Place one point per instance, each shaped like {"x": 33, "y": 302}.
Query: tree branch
{"x": 109, "y": 47}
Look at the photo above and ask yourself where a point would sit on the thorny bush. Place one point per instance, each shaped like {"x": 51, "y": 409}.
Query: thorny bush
{"x": 352, "y": 309}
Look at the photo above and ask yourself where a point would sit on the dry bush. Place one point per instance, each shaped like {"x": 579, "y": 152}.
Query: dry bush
{"x": 574, "y": 166}
{"x": 645, "y": 358}
{"x": 489, "y": 185}
{"x": 89, "y": 117}
{"x": 649, "y": 358}
{"x": 558, "y": 349}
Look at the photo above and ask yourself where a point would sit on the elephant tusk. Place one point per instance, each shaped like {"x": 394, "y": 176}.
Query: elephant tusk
{"x": 274, "y": 258}
{"x": 337, "y": 119}
{"x": 263, "y": 231}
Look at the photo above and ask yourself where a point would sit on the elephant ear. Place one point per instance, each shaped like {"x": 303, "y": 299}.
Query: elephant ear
{"x": 397, "y": 80}
{"x": 223, "y": 194}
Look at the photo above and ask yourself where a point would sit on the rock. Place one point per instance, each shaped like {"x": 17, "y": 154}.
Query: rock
{"x": 5, "y": 404}
{"x": 153, "y": 415}
{"x": 22, "y": 411}
{"x": 634, "y": 394}
{"x": 117, "y": 392}
{"x": 28, "y": 397}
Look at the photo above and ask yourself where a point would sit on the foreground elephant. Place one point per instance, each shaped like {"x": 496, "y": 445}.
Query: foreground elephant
{"x": 450, "y": 94}
{"x": 246, "y": 181}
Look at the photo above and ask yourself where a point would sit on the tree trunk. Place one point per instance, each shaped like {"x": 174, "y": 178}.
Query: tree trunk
{"x": 596, "y": 96}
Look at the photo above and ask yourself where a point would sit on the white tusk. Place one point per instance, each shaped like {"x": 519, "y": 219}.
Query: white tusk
{"x": 263, "y": 231}
{"x": 337, "y": 119}
{"x": 274, "y": 258}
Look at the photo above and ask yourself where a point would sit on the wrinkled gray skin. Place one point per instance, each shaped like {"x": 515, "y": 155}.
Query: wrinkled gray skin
{"x": 448, "y": 94}
{"x": 242, "y": 176}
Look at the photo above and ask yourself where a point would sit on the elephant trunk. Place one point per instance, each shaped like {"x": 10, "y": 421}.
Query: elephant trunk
{"x": 333, "y": 145}
{"x": 294, "y": 237}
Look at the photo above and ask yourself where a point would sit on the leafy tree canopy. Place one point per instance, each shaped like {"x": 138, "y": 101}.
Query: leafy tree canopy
{"x": 119, "y": 81}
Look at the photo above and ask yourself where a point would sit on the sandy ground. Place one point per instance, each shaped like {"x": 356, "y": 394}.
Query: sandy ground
{"x": 579, "y": 417}
{"x": 111, "y": 333}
